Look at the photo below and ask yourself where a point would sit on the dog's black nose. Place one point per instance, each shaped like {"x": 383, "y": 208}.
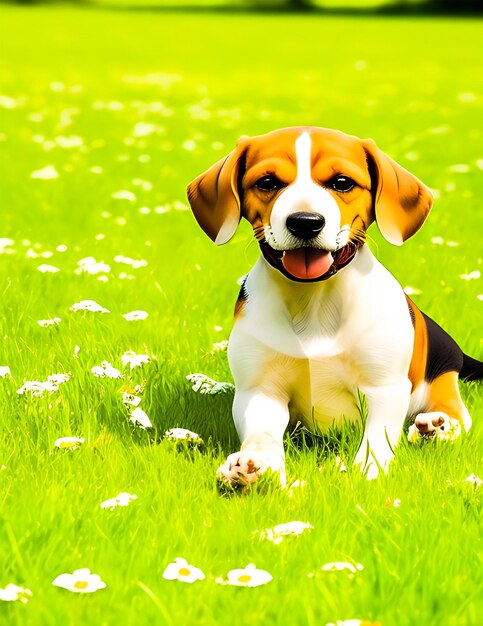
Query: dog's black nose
{"x": 305, "y": 225}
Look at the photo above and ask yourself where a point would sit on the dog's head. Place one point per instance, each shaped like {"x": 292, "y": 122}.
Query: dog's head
{"x": 310, "y": 194}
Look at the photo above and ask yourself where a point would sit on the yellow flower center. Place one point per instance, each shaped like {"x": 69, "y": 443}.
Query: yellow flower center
{"x": 184, "y": 571}
{"x": 244, "y": 578}
{"x": 81, "y": 584}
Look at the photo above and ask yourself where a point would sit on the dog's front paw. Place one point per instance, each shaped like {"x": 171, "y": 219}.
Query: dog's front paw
{"x": 435, "y": 424}
{"x": 245, "y": 467}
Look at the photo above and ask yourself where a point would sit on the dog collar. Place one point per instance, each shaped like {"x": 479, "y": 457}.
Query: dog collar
{"x": 342, "y": 257}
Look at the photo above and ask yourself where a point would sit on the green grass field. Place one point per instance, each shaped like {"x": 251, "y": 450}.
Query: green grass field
{"x": 115, "y": 102}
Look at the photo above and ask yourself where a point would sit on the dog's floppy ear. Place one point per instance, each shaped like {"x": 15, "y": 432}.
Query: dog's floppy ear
{"x": 402, "y": 202}
{"x": 214, "y": 196}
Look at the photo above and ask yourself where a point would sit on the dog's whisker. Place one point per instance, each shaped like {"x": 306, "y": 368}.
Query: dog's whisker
{"x": 355, "y": 235}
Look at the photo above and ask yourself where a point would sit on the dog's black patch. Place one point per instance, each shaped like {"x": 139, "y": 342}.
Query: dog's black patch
{"x": 242, "y": 297}
{"x": 411, "y": 312}
{"x": 444, "y": 354}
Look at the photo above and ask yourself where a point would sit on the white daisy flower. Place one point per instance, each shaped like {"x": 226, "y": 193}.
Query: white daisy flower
{"x": 182, "y": 434}
{"x": 390, "y": 503}
{"x": 12, "y": 593}
{"x": 250, "y": 576}
{"x": 140, "y": 418}
{"x": 135, "y": 316}
{"x": 46, "y": 173}
{"x": 219, "y": 346}
{"x": 7, "y": 102}
{"x": 52, "y": 322}
{"x": 144, "y": 129}
{"x": 277, "y": 533}
{"x": 5, "y": 371}
{"x": 181, "y": 570}
{"x": 412, "y": 291}
{"x": 341, "y": 566}
{"x": 135, "y": 264}
{"x": 90, "y": 266}
{"x": 131, "y": 399}
{"x": 106, "y": 370}
{"x": 5, "y": 243}
{"x": 80, "y": 581}
{"x": 71, "y": 443}
{"x": 459, "y": 168}
{"x": 145, "y": 185}
{"x": 206, "y": 385}
{"x": 71, "y": 141}
{"x": 473, "y": 478}
{"x": 59, "y": 379}
{"x": 471, "y": 276}
{"x": 122, "y": 499}
{"x": 189, "y": 145}
{"x": 47, "y": 269}
{"x": 89, "y": 305}
{"x": 124, "y": 195}
{"x": 38, "y": 388}
{"x": 134, "y": 360}
{"x": 162, "y": 209}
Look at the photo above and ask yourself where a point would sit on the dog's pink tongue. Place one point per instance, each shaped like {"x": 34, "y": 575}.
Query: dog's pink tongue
{"x": 307, "y": 263}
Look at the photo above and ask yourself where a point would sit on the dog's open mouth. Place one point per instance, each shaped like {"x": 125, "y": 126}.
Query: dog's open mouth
{"x": 307, "y": 263}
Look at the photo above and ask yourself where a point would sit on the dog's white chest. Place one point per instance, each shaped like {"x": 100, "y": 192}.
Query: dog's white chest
{"x": 325, "y": 343}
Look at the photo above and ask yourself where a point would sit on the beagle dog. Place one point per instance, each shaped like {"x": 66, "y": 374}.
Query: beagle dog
{"x": 319, "y": 321}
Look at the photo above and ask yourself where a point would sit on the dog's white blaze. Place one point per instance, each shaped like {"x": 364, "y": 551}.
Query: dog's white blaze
{"x": 303, "y": 149}
{"x": 304, "y": 195}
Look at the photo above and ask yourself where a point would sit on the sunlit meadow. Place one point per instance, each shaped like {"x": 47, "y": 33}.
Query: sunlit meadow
{"x": 111, "y": 296}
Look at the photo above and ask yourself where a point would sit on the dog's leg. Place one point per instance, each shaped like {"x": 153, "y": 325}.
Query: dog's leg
{"x": 446, "y": 411}
{"x": 387, "y": 407}
{"x": 261, "y": 421}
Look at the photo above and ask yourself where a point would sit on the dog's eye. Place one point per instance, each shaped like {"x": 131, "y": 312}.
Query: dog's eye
{"x": 341, "y": 183}
{"x": 269, "y": 183}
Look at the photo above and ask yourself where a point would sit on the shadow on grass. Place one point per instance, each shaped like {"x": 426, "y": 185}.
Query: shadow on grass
{"x": 343, "y": 441}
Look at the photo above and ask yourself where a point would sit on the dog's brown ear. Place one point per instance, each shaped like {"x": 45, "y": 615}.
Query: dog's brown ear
{"x": 402, "y": 202}
{"x": 214, "y": 196}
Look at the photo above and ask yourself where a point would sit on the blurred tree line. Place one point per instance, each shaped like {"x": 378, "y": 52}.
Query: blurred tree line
{"x": 396, "y": 6}
{"x": 446, "y": 6}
